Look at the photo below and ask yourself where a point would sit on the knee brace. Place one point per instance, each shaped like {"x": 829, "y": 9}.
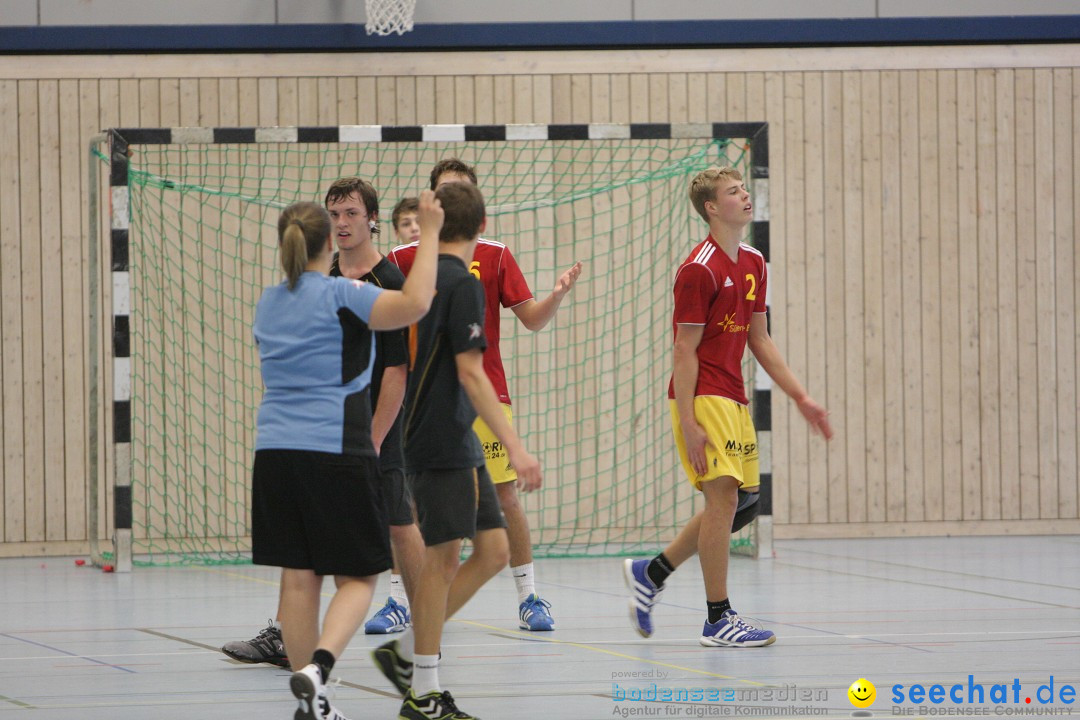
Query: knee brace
{"x": 746, "y": 510}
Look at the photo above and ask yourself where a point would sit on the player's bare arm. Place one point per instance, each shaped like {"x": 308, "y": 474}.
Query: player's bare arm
{"x": 536, "y": 314}
{"x": 391, "y": 393}
{"x": 768, "y": 355}
{"x": 687, "y": 339}
{"x": 470, "y": 367}
{"x": 397, "y": 308}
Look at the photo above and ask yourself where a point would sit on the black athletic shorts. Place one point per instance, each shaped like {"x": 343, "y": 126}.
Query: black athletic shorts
{"x": 398, "y": 498}
{"x": 455, "y": 504}
{"x": 319, "y": 511}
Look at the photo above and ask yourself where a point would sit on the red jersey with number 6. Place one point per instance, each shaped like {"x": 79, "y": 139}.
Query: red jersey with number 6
{"x": 504, "y": 286}
{"x": 722, "y": 295}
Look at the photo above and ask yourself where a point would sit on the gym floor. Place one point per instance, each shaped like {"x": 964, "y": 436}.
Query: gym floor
{"x": 79, "y": 643}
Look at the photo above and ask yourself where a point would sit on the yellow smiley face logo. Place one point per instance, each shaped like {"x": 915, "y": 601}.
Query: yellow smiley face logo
{"x": 862, "y": 693}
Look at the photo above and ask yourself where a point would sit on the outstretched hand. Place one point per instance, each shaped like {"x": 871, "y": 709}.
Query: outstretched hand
{"x": 566, "y": 281}
{"x": 816, "y": 415}
{"x": 430, "y": 214}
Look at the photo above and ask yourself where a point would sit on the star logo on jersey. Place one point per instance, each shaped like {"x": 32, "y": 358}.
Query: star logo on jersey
{"x": 727, "y": 281}
{"x": 475, "y": 330}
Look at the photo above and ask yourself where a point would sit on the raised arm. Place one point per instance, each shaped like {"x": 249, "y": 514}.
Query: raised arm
{"x": 535, "y": 315}
{"x": 398, "y": 308}
{"x": 470, "y": 368}
{"x": 770, "y": 359}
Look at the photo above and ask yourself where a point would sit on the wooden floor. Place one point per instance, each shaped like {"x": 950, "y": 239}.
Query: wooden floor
{"x": 78, "y": 643}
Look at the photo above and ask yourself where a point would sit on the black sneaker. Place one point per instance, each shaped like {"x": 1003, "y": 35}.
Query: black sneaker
{"x": 397, "y": 670}
{"x": 431, "y": 706}
{"x": 266, "y": 647}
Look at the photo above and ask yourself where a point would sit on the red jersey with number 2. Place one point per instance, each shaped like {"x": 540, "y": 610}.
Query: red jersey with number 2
{"x": 722, "y": 295}
{"x": 504, "y": 286}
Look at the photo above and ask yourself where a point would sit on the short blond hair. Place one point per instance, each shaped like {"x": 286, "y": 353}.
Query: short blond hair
{"x": 703, "y": 187}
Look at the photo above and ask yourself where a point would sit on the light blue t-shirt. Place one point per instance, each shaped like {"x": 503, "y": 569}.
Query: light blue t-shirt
{"x": 316, "y": 351}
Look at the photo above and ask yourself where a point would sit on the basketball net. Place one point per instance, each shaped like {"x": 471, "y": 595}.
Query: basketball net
{"x": 389, "y": 16}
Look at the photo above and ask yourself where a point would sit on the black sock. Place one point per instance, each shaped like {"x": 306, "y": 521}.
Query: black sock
{"x": 658, "y": 570}
{"x": 325, "y": 660}
{"x": 717, "y": 609}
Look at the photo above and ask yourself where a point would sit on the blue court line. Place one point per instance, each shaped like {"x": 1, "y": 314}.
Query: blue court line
{"x": 69, "y": 654}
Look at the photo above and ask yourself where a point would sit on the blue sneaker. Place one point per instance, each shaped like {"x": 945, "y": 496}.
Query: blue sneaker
{"x": 732, "y": 631}
{"x": 391, "y": 618}
{"x": 643, "y": 595}
{"x": 533, "y": 614}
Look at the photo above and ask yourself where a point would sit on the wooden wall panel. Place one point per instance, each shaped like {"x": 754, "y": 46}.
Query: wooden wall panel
{"x": 71, "y": 287}
{"x": 852, "y": 375}
{"x": 923, "y": 262}
{"x": 1046, "y": 343}
{"x": 1005, "y": 283}
{"x": 1065, "y": 186}
{"x": 11, "y": 387}
{"x": 910, "y": 269}
{"x": 790, "y": 318}
{"x": 1026, "y": 368}
{"x": 832, "y": 350}
{"x": 30, "y": 257}
{"x": 929, "y": 306}
{"x": 872, "y": 356}
{"x": 892, "y": 249}
{"x": 948, "y": 353}
{"x": 52, "y": 309}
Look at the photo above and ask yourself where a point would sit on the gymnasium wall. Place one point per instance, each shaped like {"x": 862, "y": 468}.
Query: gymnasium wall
{"x": 160, "y": 12}
{"x": 923, "y": 233}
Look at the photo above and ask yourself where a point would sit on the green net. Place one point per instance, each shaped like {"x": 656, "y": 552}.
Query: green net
{"x": 589, "y": 391}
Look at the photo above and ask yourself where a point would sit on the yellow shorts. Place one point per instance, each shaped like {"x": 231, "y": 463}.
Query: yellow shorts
{"x": 498, "y": 462}
{"x": 732, "y": 450}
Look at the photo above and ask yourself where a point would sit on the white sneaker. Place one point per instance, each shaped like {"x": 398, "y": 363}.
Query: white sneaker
{"x": 307, "y": 686}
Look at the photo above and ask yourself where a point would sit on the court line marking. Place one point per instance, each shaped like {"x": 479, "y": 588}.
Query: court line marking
{"x": 517, "y": 635}
{"x": 176, "y": 638}
{"x": 924, "y": 569}
{"x": 69, "y": 654}
{"x": 936, "y": 586}
{"x": 18, "y": 703}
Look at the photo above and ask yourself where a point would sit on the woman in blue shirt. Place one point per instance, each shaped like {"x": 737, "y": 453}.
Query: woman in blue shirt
{"x": 317, "y": 506}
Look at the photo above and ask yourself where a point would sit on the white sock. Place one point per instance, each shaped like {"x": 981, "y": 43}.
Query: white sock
{"x": 397, "y": 591}
{"x": 277, "y": 625}
{"x": 425, "y": 677}
{"x": 406, "y": 644}
{"x": 525, "y": 581}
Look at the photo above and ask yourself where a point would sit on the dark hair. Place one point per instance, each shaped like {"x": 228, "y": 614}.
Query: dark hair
{"x": 463, "y": 212}
{"x": 346, "y": 186}
{"x": 405, "y": 205}
{"x": 303, "y": 230}
{"x": 452, "y": 165}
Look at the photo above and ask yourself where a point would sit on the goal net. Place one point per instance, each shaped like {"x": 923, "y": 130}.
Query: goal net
{"x": 589, "y": 391}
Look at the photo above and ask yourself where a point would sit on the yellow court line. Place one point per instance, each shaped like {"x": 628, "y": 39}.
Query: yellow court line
{"x": 584, "y": 646}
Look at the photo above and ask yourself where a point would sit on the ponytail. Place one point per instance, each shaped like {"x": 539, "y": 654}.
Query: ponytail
{"x": 303, "y": 229}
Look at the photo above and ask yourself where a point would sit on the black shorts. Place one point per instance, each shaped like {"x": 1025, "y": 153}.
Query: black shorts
{"x": 398, "y": 498}
{"x": 319, "y": 511}
{"x": 455, "y": 504}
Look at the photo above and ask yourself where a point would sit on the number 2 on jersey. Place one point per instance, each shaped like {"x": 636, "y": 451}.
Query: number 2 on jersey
{"x": 751, "y": 294}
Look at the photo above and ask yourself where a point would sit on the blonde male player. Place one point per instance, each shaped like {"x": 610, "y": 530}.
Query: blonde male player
{"x": 719, "y": 310}
{"x": 504, "y": 286}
